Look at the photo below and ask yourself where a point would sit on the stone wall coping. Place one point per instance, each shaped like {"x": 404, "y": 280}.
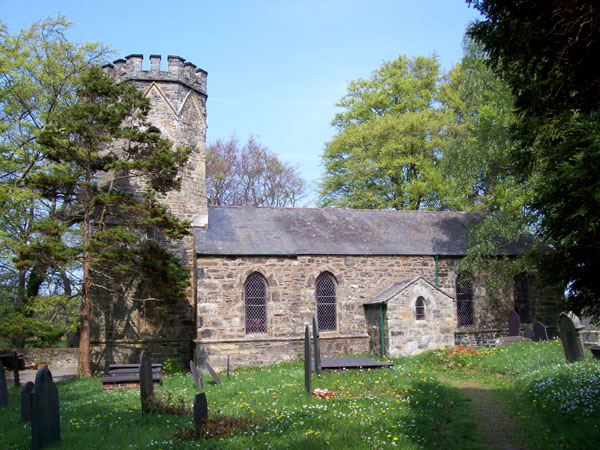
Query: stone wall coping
{"x": 139, "y": 341}
{"x": 278, "y": 339}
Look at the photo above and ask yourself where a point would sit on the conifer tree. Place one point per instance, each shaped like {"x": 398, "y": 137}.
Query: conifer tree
{"x": 102, "y": 149}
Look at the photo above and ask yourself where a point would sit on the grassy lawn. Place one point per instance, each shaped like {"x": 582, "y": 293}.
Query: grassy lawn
{"x": 417, "y": 404}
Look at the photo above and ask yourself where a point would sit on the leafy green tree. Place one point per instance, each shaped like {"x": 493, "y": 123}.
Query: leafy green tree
{"x": 386, "y": 151}
{"x": 38, "y": 69}
{"x": 101, "y": 149}
{"x": 547, "y": 52}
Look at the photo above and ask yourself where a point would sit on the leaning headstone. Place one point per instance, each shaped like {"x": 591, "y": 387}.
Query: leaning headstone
{"x": 212, "y": 372}
{"x": 3, "y": 388}
{"x": 317, "y": 346}
{"x": 528, "y": 333}
{"x": 15, "y": 365}
{"x": 45, "y": 417}
{"x": 514, "y": 324}
{"x": 146, "y": 383}
{"x": 197, "y": 378}
{"x": 307, "y": 362}
{"x": 200, "y": 412}
{"x": 540, "y": 332}
{"x": 568, "y": 328}
{"x": 26, "y": 401}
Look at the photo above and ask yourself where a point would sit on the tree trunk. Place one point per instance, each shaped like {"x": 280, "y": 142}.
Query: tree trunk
{"x": 83, "y": 364}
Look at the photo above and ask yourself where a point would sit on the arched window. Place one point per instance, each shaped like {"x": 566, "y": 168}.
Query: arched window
{"x": 464, "y": 300}
{"x": 420, "y": 309}
{"x": 521, "y": 294}
{"x": 326, "y": 302}
{"x": 153, "y": 129}
{"x": 255, "y": 293}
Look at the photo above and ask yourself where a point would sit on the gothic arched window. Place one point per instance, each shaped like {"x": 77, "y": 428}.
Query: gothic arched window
{"x": 255, "y": 294}
{"x": 521, "y": 294}
{"x": 464, "y": 300}
{"x": 326, "y": 302}
{"x": 420, "y": 309}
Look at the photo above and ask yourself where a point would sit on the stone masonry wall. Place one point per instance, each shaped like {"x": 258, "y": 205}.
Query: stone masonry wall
{"x": 409, "y": 336}
{"x": 291, "y": 303}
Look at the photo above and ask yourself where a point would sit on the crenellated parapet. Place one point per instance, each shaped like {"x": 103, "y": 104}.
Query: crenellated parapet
{"x": 178, "y": 71}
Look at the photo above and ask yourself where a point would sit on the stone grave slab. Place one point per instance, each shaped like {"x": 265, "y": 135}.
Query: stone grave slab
{"x": 146, "y": 384}
{"x": 528, "y": 333}
{"x": 514, "y": 324}
{"x": 569, "y": 326}
{"x": 307, "y": 361}
{"x": 212, "y": 372}
{"x": 317, "y": 345}
{"x": 508, "y": 340}
{"x": 45, "y": 411}
{"x": 26, "y": 401}
{"x": 3, "y": 387}
{"x": 195, "y": 375}
{"x": 200, "y": 412}
{"x": 540, "y": 332}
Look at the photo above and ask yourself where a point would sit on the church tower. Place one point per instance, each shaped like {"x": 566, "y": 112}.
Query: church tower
{"x": 126, "y": 319}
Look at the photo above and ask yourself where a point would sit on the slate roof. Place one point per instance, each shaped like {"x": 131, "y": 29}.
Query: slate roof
{"x": 255, "y": 231}
{"x": 391, "y": 291}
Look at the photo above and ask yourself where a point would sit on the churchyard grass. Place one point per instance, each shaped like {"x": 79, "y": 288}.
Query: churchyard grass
{"x": 554, "y": 405}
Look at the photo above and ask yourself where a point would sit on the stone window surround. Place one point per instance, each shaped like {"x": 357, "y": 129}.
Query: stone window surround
{"x": 429, "y": 304}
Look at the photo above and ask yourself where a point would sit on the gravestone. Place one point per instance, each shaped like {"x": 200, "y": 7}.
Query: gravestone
{"x": 15, "y": 365}
{"x": 228, "y": 364}
{"x": 212, "y": 373}
{"x": 540, "y": 332}
{"x": 568, "y": 329}
{"x": 3, "y": 388}
{"x": 197, "y": 378}
{"x": 514, "y": 324}
{"x": 26, "y": 401}
{"x": 528, "y": 333}
{"x": 146, "y": 383}
{"x": 45, "y": 412}
{"x": 307, "y": 362}
{"x": 200, "y": 411}
{"x": 317, "y": 346}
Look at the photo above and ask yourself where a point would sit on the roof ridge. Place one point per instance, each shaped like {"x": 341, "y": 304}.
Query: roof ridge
{"x": 287, "y": 208}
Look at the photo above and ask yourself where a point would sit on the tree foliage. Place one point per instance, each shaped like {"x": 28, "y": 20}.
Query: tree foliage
{"x": 38, "y": 72}
{"x": 387, "y": 148}
{"x": 547, "y": 51}
{"x": 101, "y": 151}
{"x": 250, "y": 175}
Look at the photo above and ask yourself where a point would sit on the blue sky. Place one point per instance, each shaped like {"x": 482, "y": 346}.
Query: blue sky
{"x": 276, "y": 68}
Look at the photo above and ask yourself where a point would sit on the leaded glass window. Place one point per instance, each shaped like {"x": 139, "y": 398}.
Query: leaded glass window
{"x": 420, "y": 309}
{"x": 521, "y": 294}
{"x": 326, "y": 302}
{"x": 464, "y": 300}
{"x": 255, "y": 293}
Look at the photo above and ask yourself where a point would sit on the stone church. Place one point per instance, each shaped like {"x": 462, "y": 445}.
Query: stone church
{"x": 380, "y": 282}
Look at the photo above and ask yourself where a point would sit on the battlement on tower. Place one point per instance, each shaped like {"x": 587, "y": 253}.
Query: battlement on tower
{"x": 178, "y": 71}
